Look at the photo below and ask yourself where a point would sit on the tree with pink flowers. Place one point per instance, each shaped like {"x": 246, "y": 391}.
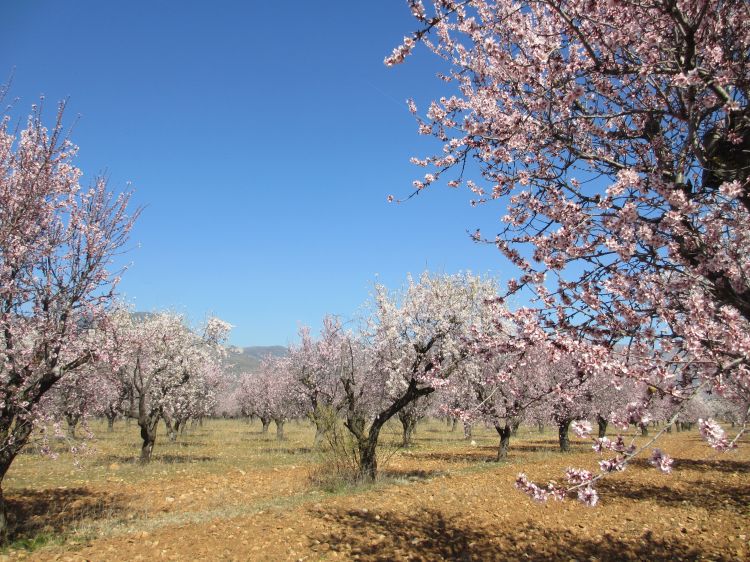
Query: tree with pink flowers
{"x": 57, "y": 242}
{"x": 617, "y": 136}
{"x": 413, "y": 341}
{"x": 315, "y": 365}
{"x": 165, "y": 363}
{"x": 270, "y": 393}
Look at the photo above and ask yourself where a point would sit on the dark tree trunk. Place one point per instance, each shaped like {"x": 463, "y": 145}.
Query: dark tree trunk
{"x": 454, "y": 424}
{"x": 540, "y": 427}
{"x": 514, "y": 425}
{"x": 111, "y": 423}
{"x": 4, "y": 531}
{"x": 368, "y": 461}
{"x": 171, "y": 433}
{"x": 266, "y": 424}
{"x": 14, "y": 439}
{"x": 320, "y": 433}
{"x": 505, "y": 432}
{"x": 602, "y": 422}
{"x": 72, "y": 420}
{"x": 408, "y": 423}
{"x": 148, "y": 426}
{"x": 279, "y": 429}
{"x": 467, "y": 431}
{"x": 644, "y": 430}
{"x": 562, "y": 431}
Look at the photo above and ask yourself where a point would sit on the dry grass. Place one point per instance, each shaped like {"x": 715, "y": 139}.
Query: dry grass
{"x": 225, "y": 483}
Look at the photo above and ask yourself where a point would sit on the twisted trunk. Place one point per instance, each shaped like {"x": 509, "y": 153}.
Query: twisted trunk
{"x": 562, "y": 432}
{"x": 505, "y": 432}
{"x": 279, "y": 428}
{"x": 602, "y": 422}
{"x": 266, "y": 424}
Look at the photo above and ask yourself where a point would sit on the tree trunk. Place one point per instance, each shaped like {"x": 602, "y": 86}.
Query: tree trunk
{"x": 368, "y": 461}
{"x": 111, "y": 423}
{"x": 266, "y": 424}
{"x": 467, "y": 431}
{"x": 454, "y": 425}
{"x": 279, "y": 429}
{"x": 4, "y": 531}
{"x": 562, "y": 431}
{"x": 514, "y": 425}
{"x": 644, "y": 430}
{"x": 505, "y": 433}
{"x": 171, "y": 433}
{"x": 148, "y": 435}
{"x": 540, "y": 427}
{"x": 320, "y": 433}
{"x": 602, "y": 422}
{"x": 72, "y": 420}
{"x": 408, "y": 423}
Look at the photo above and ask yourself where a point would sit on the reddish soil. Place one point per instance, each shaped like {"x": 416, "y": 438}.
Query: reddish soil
{"x": 433, "y": 505}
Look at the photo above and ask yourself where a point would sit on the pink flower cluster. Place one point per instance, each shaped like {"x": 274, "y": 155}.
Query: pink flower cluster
{"x": 714, "y": 434}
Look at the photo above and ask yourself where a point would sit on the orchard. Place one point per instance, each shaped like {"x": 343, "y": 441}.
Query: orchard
{"x": 590, "y": 402}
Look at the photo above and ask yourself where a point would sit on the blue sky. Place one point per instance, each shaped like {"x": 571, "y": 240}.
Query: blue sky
{"x": 262, "y": 138}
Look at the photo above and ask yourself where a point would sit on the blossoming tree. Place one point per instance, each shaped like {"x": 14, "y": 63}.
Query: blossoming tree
{"x": 617, "y": 135}
{"x": 57, "y": 241}
{"x": 165, "y": 363}
{"x": 413, "y": 342}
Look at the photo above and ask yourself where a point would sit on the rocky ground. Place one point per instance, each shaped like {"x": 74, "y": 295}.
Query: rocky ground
{"x": 227, "y": 492}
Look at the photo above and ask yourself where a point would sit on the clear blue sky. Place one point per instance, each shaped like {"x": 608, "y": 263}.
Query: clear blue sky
{"x": 262, "y": 139}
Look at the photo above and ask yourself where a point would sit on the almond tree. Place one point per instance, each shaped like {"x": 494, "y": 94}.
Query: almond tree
{"x": 617, "y": 136}
{"x": 270, "y": 393}
{"x": 165, "y": 361}
{"x": 316, "y": 367}
{"x": 57, "y": 241}
{"x": 413, "y": 342}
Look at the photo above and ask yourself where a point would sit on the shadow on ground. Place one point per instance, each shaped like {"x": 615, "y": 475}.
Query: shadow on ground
{"x": 412, "y": 475}
{"x": 429, "y": 535}
{"x": 713, "y": 465}
{"x": 106, "y": 460}
{"x": 287, "y": 450}
{"x": 707, "y": 494}
{"x": 32, "y": 512}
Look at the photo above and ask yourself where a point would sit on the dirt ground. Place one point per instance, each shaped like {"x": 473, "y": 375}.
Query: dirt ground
{"x": 227, "y": 492}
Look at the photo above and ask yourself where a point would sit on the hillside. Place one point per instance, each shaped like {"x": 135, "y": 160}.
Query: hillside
{"x": 247, "y": 359}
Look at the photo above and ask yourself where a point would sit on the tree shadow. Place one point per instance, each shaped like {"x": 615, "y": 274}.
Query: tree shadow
{"x": 287, "y": 450}
{"x": 710, "y": 465}
{"x": 182, "y": 459}
{"x": 179, "y": 443}
{"x": 58, "y": 511}
{"x": 429, "y": 535}
{"x": 708, "y": 495}
{"x": 413, "y": 475}
{"x": 106, "y": 460}
{"x": 480, "y": 454}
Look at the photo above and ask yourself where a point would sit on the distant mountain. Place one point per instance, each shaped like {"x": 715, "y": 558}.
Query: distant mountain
{"x": 247, "y": 359}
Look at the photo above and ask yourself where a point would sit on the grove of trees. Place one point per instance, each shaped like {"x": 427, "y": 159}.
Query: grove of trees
{"x": 616, "y": 135}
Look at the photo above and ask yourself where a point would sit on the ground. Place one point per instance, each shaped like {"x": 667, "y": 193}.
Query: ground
{"x": 227, "y": 492}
